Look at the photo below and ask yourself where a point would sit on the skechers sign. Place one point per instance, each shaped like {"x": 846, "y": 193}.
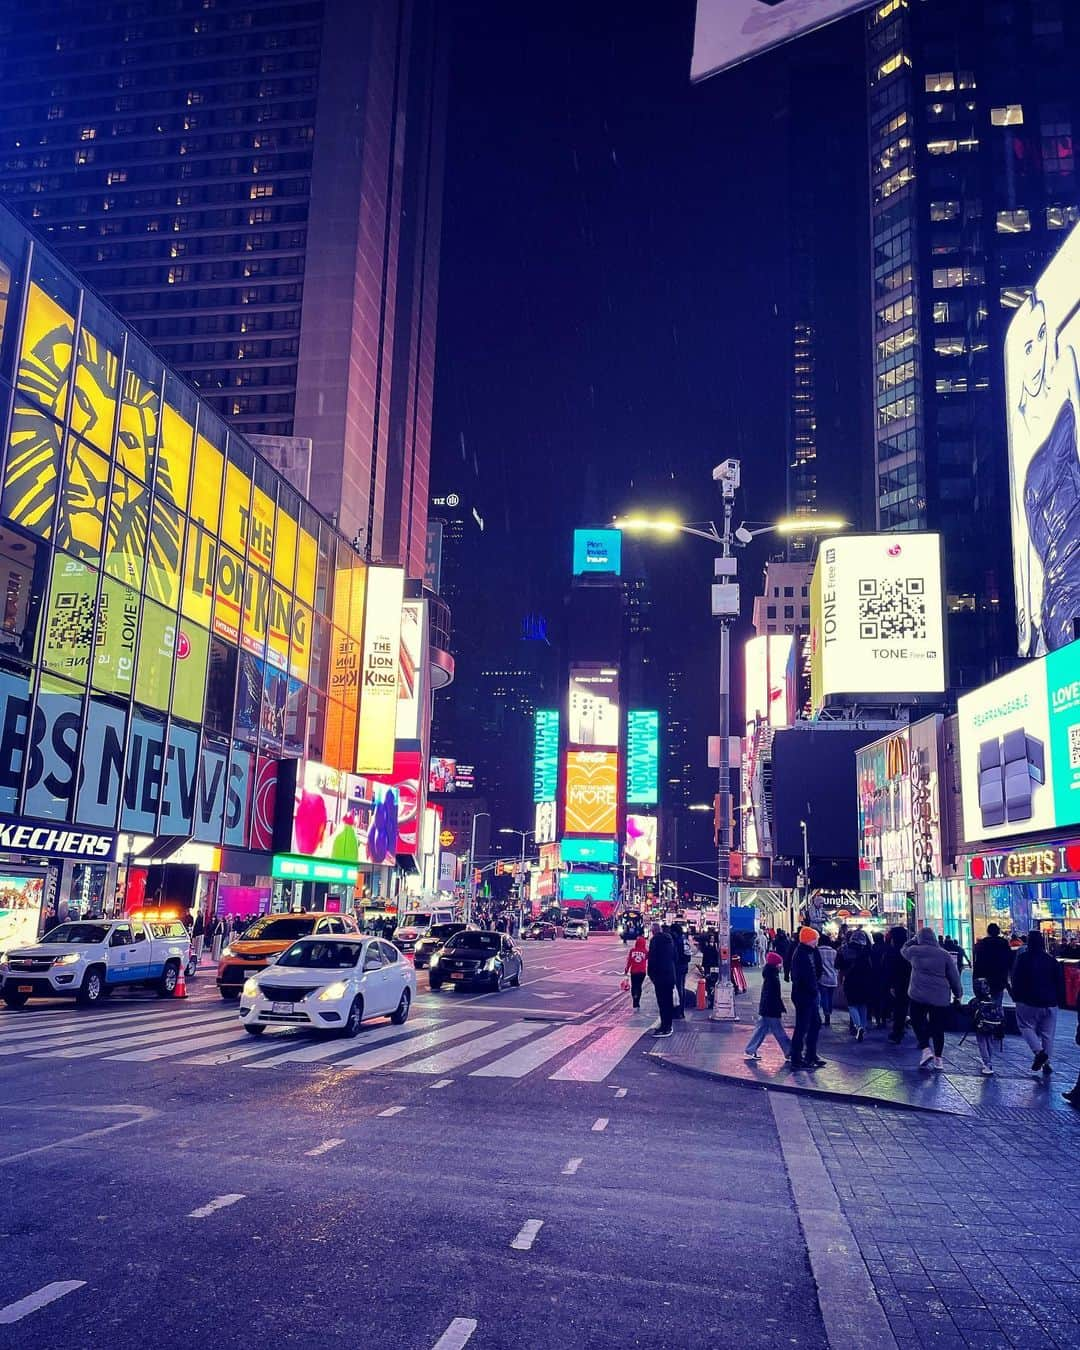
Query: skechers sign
{"x": 597, "y": 552}
{"x": 55, "y": 841}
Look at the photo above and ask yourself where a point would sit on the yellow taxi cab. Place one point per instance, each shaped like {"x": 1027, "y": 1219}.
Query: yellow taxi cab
{"x": 266, "y": 938}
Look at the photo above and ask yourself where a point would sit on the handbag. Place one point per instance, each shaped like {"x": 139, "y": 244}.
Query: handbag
{"x": 624, "y": 985}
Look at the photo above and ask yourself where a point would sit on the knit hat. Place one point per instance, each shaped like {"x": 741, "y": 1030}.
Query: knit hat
{"x": 808, "y": 935}
{"x": 773, "y": 959}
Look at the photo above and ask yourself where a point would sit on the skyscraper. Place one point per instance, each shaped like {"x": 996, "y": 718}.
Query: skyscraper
{"x": 973, "y": 182}
{"x": 257, "y": 188}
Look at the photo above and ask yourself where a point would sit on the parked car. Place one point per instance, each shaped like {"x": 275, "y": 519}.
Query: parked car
{"x": 576, "y": 928}
{"x": 542, "y": 930}
{"x": 432, "y": 940}
{"x": 88, "y": 959}
{"x": 418, "y": 924}
{"x": 490, "y": 960}
{"x": 268, "y": 937}
{"x": 330, "y": 983}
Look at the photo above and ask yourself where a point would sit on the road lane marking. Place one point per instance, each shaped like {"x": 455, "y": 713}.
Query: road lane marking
{"x": 202, "y": 1041}
{"x": 620, "y": 1092}
{"x": 48, "y": 1293}
{"x": 304, "y": 1051}
{"x": 572, "y": 1166}
{"x": 324, "y": 1147}
{"x": 461, "y": 1054}
{"x": 212, "y": 1206}
{"x": 456, "y": 1334}
{"x": 442, "y": 1083}
{"x": 376, "y": 1059}
{"x": 392, "y": 1111}
{"x": 600, "y": 1124}
{"x": 154, "y": 1037}
{"x": 597, "y": 1060}
{"x": 529, "y": 1057}
{"x": 527, "y": 1236}
{"x": 24, "y": 1042}
{"x": 139, "y": 1115}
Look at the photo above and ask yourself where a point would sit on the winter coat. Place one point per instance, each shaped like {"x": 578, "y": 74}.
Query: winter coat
{"x": 829, "y": 978}
{"x": 993, "y": 962}
{"x": 661, "y": 962}
{"x": 858, "y": 977}
{"x": 1037, "y": 978}
{"x": 805, "y": 970}
{"x": 771, "y": 1003}
{"x": 895, "y": 971}
{"x": 680, "y": 946}
{"x": 934, "y": 977}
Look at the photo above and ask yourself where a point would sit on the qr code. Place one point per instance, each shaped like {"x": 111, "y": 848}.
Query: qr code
{"x": 1074, "y": 746}
{"x": 891, "y": 609}
{"x": 72, "y": 620}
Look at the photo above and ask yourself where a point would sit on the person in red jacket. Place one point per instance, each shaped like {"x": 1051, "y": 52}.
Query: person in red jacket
{"x": 637, "y": 959}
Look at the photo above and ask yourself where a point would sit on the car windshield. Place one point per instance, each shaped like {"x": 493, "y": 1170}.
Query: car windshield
{"x": 77, "y": 932}
{"x": 278, "y": 928}
{"x": 416, "y": 921}
{"x": 481, "y": 941}
{"x": 319, "y": 954}
{"x": 445, "y": 930}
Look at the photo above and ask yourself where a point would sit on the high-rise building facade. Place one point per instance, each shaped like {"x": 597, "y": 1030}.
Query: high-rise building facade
{"x": 257, "y": 187}
{"x": 972, "y": 110}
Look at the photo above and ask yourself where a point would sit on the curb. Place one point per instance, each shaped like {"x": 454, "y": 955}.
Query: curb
{"x": 796, "y": 1090}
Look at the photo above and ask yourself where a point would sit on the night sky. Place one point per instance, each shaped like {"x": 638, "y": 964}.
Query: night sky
{"x": 614, "y": 273}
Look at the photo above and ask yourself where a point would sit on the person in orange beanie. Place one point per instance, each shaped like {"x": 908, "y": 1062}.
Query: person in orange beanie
{"x": 806, "y": 972}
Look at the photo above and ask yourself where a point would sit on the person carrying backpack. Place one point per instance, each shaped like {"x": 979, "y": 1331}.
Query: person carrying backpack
{"x": 989, "y": 1023}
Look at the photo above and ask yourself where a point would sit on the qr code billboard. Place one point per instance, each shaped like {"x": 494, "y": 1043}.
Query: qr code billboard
{"x": 892, "y": 609}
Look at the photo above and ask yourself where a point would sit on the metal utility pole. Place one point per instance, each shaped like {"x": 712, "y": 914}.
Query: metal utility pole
{"x": 472, "y": 865}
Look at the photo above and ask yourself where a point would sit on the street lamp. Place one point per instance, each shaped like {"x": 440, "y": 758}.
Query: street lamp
{"x": 725, "y": 607}
{"x": 472, "y": 863}
{"x": 525, "y": 834}
{"x": 805, "y": 868}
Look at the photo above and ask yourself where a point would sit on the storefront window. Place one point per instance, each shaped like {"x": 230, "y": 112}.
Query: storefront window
{"x": 23, "y": 581}
{"x": 221, "y": 694}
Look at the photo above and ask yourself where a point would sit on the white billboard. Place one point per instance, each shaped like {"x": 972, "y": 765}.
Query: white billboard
{"x": 769, "y": 674}
{"x": 1043, "y": 393}
{"x": 728, "y": 32}
{"x": 876, "y": 618}
{"x": 594, "y": 706}
{"x": 544, "y": 829}
{"x": 412, "y": 671}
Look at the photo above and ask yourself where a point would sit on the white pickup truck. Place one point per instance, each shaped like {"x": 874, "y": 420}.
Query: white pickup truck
{"x": 89, "y": 958}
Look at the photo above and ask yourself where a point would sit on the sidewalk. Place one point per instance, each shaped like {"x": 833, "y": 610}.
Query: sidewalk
{"x": 874, "y": 1072}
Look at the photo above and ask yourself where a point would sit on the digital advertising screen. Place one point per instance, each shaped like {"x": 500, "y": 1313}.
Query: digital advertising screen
{"x": 546, "y": 823}
{"x": 379, "y": 669}
{"x": 877, "y": 618}
{"x": 594, "y": 706}
{"x": 412, "y": 670}
{"x": 1043, "y": 392}
{"x": 546, "y": 754}
{"x": 586, "y": 887}
{"x": 728, "y": 32}
{"x": 1020, "y": 749}
{"x": 597, "y": 553}
{"x": 442, "y": 774}
{"x": 592, "y": 792}
{"x": 642, "y": 756}
{"x": 641, "y": 840}
{"x": 588, "y": 851}
{"x": 770, "y": 676}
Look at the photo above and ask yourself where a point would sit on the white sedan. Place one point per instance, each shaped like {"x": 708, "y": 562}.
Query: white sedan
{"x": 329, "y": 984}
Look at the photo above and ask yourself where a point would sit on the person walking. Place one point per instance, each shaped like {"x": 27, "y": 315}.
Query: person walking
{"x": 896, "y": 975}
{"x": 770, "y": 1009}
{"x": 935, "y": 982}
{"x": 218, "y": 935}
{"x": 1073, "y": 1094}
{"x": 660, "y": 967}
{"x": 993, "y": 961}
{"x": 710, "y": 965}
{"x": 988, "y": 1022}
{"x": 783, "y": 945}
{"x": 198, "y": 936}
{"x": 805, "y": 994}
{"x": 879, "y": 999}
{"x": 1038, "y": 990}
{"x": 637, "y": 962}
{"x": 854, "y": 964}
{"x": 681, "y": 946}
{"x": 829, "y": 978}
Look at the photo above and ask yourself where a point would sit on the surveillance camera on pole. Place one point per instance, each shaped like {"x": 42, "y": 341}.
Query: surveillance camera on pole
{"x": 727, "y": 475}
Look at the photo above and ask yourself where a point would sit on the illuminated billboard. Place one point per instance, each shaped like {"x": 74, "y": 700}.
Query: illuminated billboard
{"x": 588, "y": 851}
{"x": 442, "y": 774}
{"x": 1019, "y": 766}
{"x": 396, "y": 809}
{"x": 728, "y": 32}
{"x": 641, "y": 841}
{"x": 642, "y": 756}
{"x": 586, "y": 887}
{"x": 877, "y": 619}
{"x": 379, "y": 667}
{"x": 592, "y": 792}
{"x": 594, "y": 706}
{"x": 546, "y": 823}
{"x": 597, "y": 553}
{"x": 770, "y": 680}
{"x": 1043, "y": 394}
{"x": 546, "y": 754}
{"x": 412, "y": 670}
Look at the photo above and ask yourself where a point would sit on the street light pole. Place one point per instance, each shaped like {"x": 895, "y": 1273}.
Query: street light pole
{"x": 472, "y": 865}
{"x": 724, "y": 998}
{"x": 525, "y": 834}
{"x": 805, "y": 870}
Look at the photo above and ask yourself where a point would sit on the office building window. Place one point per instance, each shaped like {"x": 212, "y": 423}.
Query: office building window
{"x": 1012, "y": 115}
{"x": 1062, "y": 217}
{"x": 942, "y": 83}
{"x": 1014, "y": 222}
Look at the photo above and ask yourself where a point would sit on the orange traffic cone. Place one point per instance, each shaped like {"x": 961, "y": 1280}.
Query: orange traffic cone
{"x": 701, "y": 995}
{"x": 180, "y": 991}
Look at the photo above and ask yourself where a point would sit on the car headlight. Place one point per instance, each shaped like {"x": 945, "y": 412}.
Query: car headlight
{"x": 69, "y": 960}
{"x": 226, "y": 951}
{"x": 251, "y": 988}
{"x": 334, "y": 991}
{"x": 434, "y": 959}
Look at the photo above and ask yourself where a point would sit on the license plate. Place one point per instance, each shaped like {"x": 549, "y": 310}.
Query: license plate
{"x": 457, "y": 975}
{"x": 281, "y": 1007}
{"x": 26, "y": 988}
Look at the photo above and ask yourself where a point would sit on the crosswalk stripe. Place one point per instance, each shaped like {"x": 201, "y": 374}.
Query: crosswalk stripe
{"x": 99, "y": 1047}
{"x": 103, "y": 1026}
{"x": 307, "y": 1053}
{"x": 91, "y": 1041}
{"x": 417, "y": 1044}
{"x": 597, "y": 1060}
{"x": 528, "y": 1057}
{"x": 461, "y": 1054}
{"x": 245, "y": 1050}
{"x": 200, "y": 1041}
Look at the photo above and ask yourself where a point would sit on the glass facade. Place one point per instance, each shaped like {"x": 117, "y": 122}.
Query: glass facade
{"x": 174, "y": 615}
